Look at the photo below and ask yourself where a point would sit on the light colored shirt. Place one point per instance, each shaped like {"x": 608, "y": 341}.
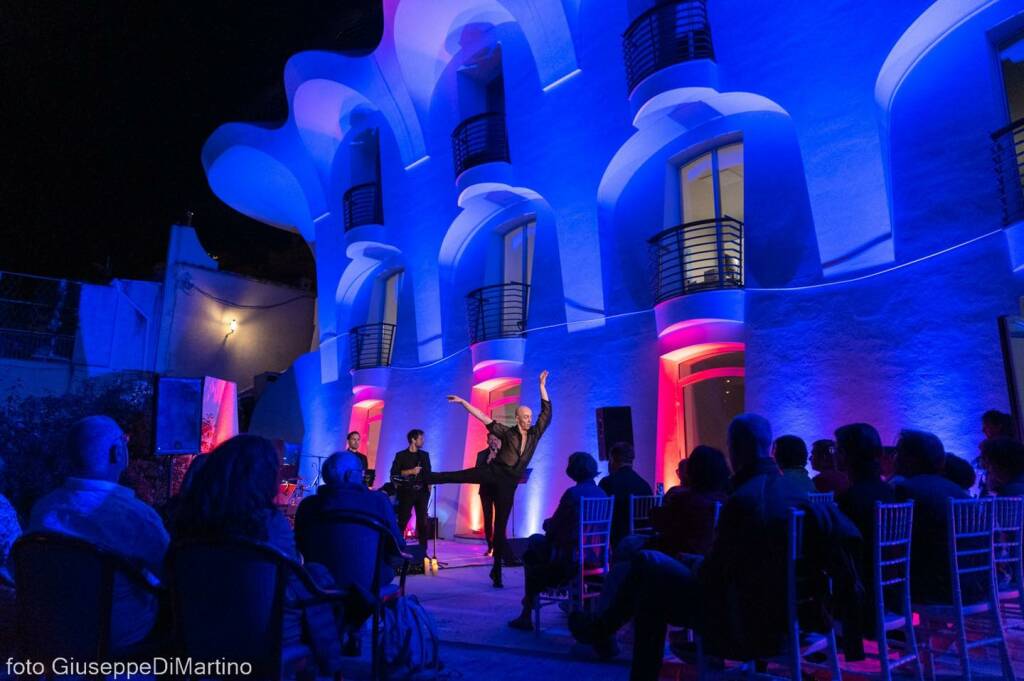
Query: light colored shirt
{"x": 108, "y": 515}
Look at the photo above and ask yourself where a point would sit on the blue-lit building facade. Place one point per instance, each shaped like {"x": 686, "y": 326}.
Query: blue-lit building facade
{"x": 809, "y": 210}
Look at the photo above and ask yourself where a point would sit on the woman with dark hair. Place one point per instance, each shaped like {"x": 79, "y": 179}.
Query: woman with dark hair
{"x": 232, "y": 496}
{"x": 1003, "y": 458}
{"x": 790, "y": 454}
{"x": 831, "y": 475}
{"x": 686, "y": 521}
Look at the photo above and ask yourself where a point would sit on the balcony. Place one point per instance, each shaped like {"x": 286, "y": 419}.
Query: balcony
{"x": 668, "y": 33}
{"x": 697, "y": 256}
{"x": 363, "y": 205}
{"x": 38, "y": 317}
{"x": 497, "y": 311}
{"x": 480, "y": 139}
{"x": 371, "y": 345}
{"x": 1008, "y": 154}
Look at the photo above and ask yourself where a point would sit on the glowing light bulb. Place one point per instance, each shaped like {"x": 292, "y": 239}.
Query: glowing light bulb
{"x": 232, "y": 326}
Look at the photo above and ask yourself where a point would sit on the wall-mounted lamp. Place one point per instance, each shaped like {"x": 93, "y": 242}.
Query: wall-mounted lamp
{"x": 232, "y": 326}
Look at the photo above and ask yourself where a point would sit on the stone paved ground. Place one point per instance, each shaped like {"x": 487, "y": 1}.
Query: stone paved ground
{"x": 477, "y": 644}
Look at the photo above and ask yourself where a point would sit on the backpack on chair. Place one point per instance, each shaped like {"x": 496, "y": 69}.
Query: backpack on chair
{"x": 409, "y": 641}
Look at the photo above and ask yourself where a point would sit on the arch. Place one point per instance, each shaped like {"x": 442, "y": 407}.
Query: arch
{"x": 945, "y": 58}
{"x": 487, "y": 211}
{"x": 637, "y": 194}
{"x": 426, "y": 35}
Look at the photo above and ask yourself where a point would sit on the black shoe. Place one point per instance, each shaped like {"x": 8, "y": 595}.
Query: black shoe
{"x": 496, "y": 577}
{"x": 522, "y": 623}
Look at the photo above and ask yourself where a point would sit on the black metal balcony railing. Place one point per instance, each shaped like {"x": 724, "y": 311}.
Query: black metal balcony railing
{"x": 480, "y": 139}
{"x": 38, "y": 317}
{"x": 363, "y": 205}
{"x": 371, "y": 345}
{"x": 1008, "y": 154}
{"x": 697, "y": 256}
{"x": 497, "y": 311}
{"x": 668, "y": 33}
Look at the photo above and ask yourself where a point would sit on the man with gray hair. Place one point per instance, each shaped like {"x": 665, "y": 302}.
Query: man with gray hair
{"x": 92, "y": 506}
{"x": 343, "y": 490}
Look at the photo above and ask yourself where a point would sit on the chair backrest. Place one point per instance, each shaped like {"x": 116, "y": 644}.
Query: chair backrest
{"x": 640, "y": 511}
{"x": 228, "y": 601}
{"x": 595, "y": 534}
{"x": 794, "y": 554}
{"x": 970, "y": 529}
{"x": 890, "y": 550}
{"x": 1009, "y": 536}
{"x": 820, "y": 497}
{"x": 64, "y": 596}
{"x": 350, "y": 545}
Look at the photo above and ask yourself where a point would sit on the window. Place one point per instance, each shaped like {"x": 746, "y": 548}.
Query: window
{"x": 712, "y": 185}
{"x": 711, "y": 394}
{"x": 1011, "y": 60}
{"x": 502, "y": 404}
{"x": 517, "y": 265}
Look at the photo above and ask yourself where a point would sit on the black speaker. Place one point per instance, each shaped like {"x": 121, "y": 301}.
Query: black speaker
{"x": 179, "y": 415}
{"x": 614, "y": 425}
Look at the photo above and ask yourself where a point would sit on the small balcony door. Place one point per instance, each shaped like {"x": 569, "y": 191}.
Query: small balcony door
{"x": 711, "y": 188}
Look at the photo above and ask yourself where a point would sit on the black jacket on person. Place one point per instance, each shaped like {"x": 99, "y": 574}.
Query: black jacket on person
{"x": 406, "y": 460}
{"x": 511, "y": 440}
{"x": 743, "y": 577}
{"x": 929, "y": 560}
{"x": 481, "y": 461}
{"x": 858, "y": 504}
{"x": 621, "y": 484}
{"x": 562, "y": 528}
{"x": 362, "y": 458}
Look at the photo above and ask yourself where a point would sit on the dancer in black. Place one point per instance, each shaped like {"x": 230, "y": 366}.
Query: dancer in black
{"x": 518, "y": 444}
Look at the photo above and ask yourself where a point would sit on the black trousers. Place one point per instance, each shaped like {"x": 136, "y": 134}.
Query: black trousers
{"x": 407, "y": 501}
{"x": 503, "y": 480}
{"x": 488, "y": 504}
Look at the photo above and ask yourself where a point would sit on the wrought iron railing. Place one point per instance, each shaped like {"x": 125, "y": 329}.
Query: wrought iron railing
{"x": 1008, "y": 154}
{"x": 371, "y": 345}
{"x": 38, "y": 317}
{"x": 363, "y": 205}
{"x": 497, "y": 311}
{"x": 480, "y": 139}
{"x": 697, "y": 256}
{"x": 668, "y": 33}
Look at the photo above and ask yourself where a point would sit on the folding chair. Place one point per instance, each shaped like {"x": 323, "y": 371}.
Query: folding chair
{"x": 1009, "y": 532}
{"x": 591, "y": 559}
{"x": 820, "y": 497}
{"x": 890, "y": 564}
{"x": 970, "y": 532}
{"x": 640, "y": 512}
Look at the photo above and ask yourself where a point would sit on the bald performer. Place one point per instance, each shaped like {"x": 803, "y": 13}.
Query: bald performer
{"x": 518, "y": 443}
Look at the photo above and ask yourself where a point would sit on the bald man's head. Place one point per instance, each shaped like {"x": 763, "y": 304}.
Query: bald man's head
{"x": 97, "y": 448}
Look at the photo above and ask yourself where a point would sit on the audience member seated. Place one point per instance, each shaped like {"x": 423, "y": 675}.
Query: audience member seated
{"x": 859, "y": 445}
{"x": 737, "y": 597}
{"x": 92, "y": 506}
{"x": 685, "y": 523}
{"x": 995, "y": 423}
{"x": 681, "y": 476}
{"x": 1003, "y": 458}
{"x": 10, "y": 530}
{"x": 232, "y": 496}
{"x": 344, "y": 490}
{"x": 960, "y": 472}
{"x": 622, "y": 482}
{"x": 831, "y": 477}
{"x": 919, "y": 462}
{"x": 790, "y": 454}
{"x": 550, "y": 557}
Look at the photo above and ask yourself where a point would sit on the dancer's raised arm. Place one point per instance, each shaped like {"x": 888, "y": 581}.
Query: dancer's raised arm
{"x": 476, "y": 413}
{"x": 544, "y": 386}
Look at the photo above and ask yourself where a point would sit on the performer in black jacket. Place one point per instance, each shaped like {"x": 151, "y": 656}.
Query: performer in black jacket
{"x": 518, "y": 444}
{"x": 484, "y": 458}
{"x": 409, "y": 471}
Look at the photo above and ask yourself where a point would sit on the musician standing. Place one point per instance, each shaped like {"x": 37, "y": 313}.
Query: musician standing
{"x": 488, "y": 491}
{"x": 409, "y": 471}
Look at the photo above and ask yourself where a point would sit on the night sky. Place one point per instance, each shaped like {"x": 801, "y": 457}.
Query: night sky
{"x": 105, "y": 108}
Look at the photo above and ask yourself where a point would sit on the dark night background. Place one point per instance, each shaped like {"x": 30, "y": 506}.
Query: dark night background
{"x": 105, "y": 108}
